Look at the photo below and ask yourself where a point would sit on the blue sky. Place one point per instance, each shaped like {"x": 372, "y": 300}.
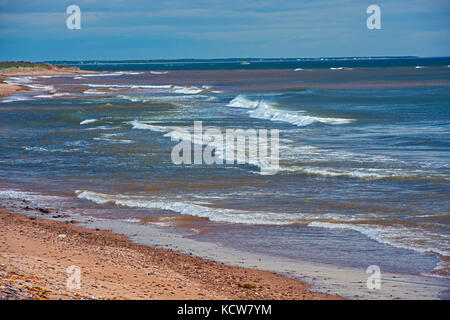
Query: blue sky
{"x": 115, "y": 29}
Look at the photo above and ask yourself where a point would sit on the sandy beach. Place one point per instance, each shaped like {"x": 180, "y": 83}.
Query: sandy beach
{"x": 35, "y": 254}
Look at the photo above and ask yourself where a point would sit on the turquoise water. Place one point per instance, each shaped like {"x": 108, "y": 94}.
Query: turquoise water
{"x": 364, "y": 154}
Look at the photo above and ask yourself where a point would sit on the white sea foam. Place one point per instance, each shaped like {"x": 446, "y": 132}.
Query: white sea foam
{"x": 158, "y": 72}
{"x": 114, "y": 140}
{"x": 113, "y": 74}
{"x": 265, "y": 110}
{"x": 37, "y": 149}
{"x": 143, "y": 126}
{"x": 94, "y": 92}
{"x": 187, "y": 90}
{"x": 190, "y": 209}
{"x": 26, "y": 81}
{"x": 88, "y": 121}
{"x": 20, "y": 195}
{"x": 172, "y": 132}
{"x": 411, "y": 238}
{"x": 134, "y": 99}
{"x": 152, "y": 86}
{"x": 368, "y": 173}
{"x": 184, "y": 133}
{"x": 38, "y": 87}
{"x": 362, "y": 173}
{"x": 18, "y": 80}
{"x": 157, "y": 87}
{"x": 14, "y": 98}
{"x": 132, "y": 72}
{"x": 242, "y": 102}
{"x": 61, "y": 94}
{"x": 43, "y": 149}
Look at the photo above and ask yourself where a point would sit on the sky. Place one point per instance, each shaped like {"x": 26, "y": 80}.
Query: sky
{"x": 148, "y": 29}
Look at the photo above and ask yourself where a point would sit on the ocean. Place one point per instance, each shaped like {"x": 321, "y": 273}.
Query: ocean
{"x": 364, "y": 149}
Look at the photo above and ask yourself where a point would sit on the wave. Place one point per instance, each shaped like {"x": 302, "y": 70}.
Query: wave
{"x": 21, "y": 195}
{"x": 189, "y": 209}
{"x": 94, "y": 92}
{"x": 18, "y": 80}
{"x": 368, "y": 173}
{"x": 187, "y": 90}
{"x": 399, "y": 236}
{"x": 38, "y": 87}
{"x": 410, "y": 238}
{"x": 27, "y": 82}
{"x": 242, "y": 102}
{"x": 88, "y": 121}
{"x": 16, "y": 98}
{"x": 364, "y": 173}
{"x": 158, "y": 72}
{"x": 134, "y": 99}
{"x": 341, "y": 68}
{"x": 165, "y": 87}
{"x": 143, "y": 126}
{"x": 263, "y": 110}
{"x": 61, "y": 94}
{"x": 184, "y": 133}
{"x": 130, "y": 86}
{"x": 37, "y": 149}
{"x": 43, "y": 149}
{"x": 114, "y": 140}
{"x": 113, "y": 74}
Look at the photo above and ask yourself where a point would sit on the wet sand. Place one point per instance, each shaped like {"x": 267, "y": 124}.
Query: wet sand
{"x": 35, "y": 254}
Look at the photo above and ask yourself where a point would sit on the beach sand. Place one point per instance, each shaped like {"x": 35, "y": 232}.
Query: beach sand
{"x": 35, "y": 254}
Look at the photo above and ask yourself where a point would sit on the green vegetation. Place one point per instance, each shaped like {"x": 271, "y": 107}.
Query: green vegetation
{"x": 25, "y": 64}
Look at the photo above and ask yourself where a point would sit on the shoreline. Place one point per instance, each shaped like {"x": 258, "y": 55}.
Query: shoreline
{"x": 54, "y": 231}
{"x": 9, "y": 89}
{"x": 35, "y": 254}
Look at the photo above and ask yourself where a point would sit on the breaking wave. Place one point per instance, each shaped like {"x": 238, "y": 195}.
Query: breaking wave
{"x": 264, "y": 110}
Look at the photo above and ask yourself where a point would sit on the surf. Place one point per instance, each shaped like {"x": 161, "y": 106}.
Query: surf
{"x": 262, "y": 109}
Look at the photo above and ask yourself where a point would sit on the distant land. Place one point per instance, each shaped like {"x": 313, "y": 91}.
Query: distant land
{"x": 255, "y": 63}
{"x": 254, "y": 59}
